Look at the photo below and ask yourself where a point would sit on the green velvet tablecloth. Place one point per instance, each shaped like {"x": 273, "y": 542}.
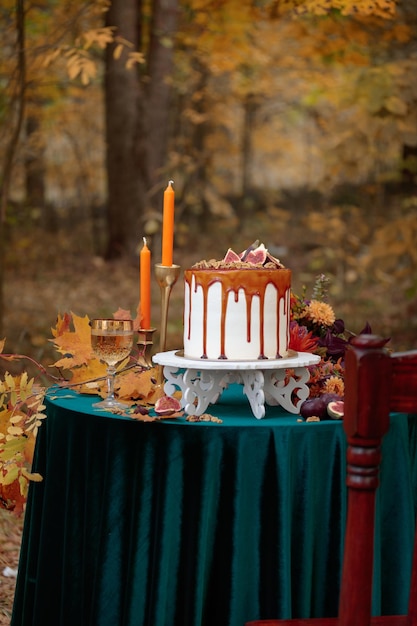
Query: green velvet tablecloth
{"x": 200, "y": 524}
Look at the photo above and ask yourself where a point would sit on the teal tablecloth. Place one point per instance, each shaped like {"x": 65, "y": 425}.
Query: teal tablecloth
{"x": 200, "y": 524}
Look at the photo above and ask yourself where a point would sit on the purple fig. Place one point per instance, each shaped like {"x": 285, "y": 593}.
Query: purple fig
{"x": 313, "y": 407}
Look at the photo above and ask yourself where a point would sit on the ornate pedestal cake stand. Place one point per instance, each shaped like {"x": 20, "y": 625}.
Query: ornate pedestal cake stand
{"x": 281, "y": 381}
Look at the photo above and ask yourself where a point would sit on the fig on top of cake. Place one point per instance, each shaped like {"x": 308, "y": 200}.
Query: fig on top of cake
{"x": 256, "y": 256}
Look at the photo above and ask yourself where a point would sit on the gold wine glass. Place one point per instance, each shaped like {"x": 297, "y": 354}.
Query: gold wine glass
{"x": 111, "y": 341}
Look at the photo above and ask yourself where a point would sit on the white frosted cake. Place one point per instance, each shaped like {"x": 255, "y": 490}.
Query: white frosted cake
{"x": 237, "y": 308}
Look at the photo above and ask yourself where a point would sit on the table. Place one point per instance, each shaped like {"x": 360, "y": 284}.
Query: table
{"x": 174, "y": 523}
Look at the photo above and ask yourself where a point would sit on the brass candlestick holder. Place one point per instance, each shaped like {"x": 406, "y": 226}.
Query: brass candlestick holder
{"x": 166, "y": 276}
{"x": 145, "y": 343}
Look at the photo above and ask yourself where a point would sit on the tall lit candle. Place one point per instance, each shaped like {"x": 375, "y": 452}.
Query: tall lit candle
{"x": 168, "y": 225}
{"x": 145, "y": 286}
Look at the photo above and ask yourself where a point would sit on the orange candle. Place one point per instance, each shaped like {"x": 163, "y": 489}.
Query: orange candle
{"x": 168, "y": 225}
{"x": 145, "y": 286}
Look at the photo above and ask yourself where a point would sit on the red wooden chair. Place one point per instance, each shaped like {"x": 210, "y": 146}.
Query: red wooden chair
{"x": 376, "y": 383}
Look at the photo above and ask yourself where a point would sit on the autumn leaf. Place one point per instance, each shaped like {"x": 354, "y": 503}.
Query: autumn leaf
{"x": 75, "y": 345}
{"x": 86, "y": 374}
{"x": 122, "y": 314}
{"x": 134, "y": 58}
{"x": 5, "y": 415}
{"x": 136, "y": 385}
{"x": 12, "y": 497}
{"x": 62, "y": 325}
{"x": 140, "y": 417}
{"x": 98, "y": 36}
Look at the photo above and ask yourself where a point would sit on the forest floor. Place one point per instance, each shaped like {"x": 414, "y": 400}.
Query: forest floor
{"x": 10, "y": 538}
{"x": 47, "y": 275}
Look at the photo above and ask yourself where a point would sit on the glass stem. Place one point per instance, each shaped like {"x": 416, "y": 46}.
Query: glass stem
{"x": 111, "y": 371}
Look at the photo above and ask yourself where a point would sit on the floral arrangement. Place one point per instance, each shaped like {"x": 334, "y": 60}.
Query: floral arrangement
{"x": 313, "y": 328}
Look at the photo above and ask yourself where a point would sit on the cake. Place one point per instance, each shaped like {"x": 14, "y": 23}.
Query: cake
{"x": 237, "y": 308}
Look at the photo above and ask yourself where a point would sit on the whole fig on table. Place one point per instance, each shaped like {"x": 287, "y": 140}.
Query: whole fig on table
{"x": 317, "y": 407}
{"x": 313, "y": 407}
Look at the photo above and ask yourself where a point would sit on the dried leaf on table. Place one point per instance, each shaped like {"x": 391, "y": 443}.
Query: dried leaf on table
{"x": 136, "y": 385}
{"x": 145, "y": 417}
{"x": 142, "y": 417}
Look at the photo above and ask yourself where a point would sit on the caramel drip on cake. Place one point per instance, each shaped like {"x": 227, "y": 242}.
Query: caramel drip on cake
{"x": 287, "y": 303}
{"x": 248, "y": 310}
{"x": 253, "y": 283}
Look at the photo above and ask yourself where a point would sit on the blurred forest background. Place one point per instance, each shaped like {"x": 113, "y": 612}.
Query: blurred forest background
{"x": 289, "y": 121}
{"x": 292, "y": 122}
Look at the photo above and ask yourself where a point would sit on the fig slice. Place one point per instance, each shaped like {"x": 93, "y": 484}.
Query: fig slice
{"x": 257, "y": 256}
{"x": 167, "y": 406}
{"x": 231, "y": 256}
{"x": 244, "y": 254}
{"x": 274, "y": 260}
{"x": 336, "y": 409}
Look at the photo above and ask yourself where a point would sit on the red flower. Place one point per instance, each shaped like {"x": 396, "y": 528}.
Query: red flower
{"x": 301, "y": 339}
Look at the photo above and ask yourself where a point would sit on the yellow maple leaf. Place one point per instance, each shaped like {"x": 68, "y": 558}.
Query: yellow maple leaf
{"x": 136, "y": 385}
{"x": 75, "y": 345}
{"x": 84, "y": 376}
{"x": 62, "y": 325}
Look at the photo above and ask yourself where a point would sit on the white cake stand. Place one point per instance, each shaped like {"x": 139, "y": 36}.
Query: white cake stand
{"x": 202, "y": 381}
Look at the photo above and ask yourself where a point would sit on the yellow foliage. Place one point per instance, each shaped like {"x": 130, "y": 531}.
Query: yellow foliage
{"x": 381, "y": 8}
{"x": 393, "y": 251}
{"x": 101, "y": 37}
{"x": 21, "y": 414}
{"x": 80, "y": 64}
{"x": 134, "y": 58}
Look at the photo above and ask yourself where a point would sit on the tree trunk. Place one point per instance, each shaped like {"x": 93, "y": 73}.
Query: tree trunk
{"x": 35, "y": 175}
{"x": 158, "y": 95}
{"x": 8, "y": 161}
{"x": 122, "y": 98}
{"x": 137, "y": 119}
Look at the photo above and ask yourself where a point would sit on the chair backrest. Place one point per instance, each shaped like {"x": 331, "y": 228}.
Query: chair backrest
{"x": 376, "y": 383}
